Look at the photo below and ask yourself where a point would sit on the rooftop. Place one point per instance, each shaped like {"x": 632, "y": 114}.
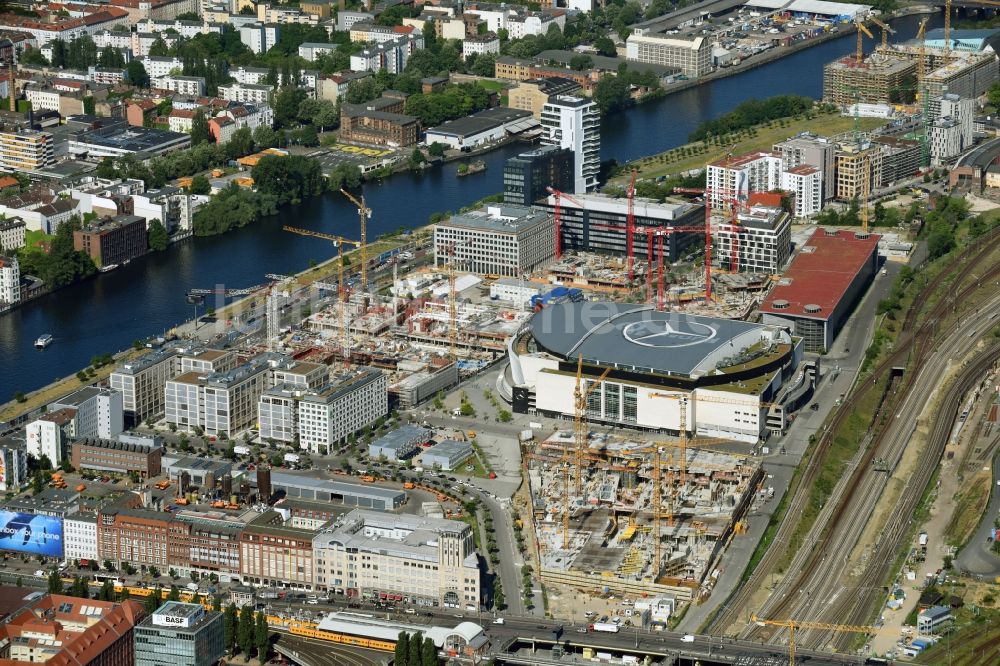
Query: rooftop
{"x": 505, "y": 218}
{"x": 450, "y": 448}
{"x": 414, "y": 537}
{"x": 403, "y": 438}
{"x": 820, "y": 274}
{"x": 286, "y": 480}
{"x": 480, "y": 122}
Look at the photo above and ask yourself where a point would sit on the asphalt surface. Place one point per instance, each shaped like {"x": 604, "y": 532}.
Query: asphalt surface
{"x": 978, "y": 558}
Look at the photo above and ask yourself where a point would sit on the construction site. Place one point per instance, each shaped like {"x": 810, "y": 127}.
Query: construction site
{"x": 629, "y": 517}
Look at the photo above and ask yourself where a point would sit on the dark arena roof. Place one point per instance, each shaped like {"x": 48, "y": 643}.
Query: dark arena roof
{"x": 643, "y": 339}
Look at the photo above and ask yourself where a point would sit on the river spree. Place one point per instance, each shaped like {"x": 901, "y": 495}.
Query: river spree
{"x": 147, "y": 296}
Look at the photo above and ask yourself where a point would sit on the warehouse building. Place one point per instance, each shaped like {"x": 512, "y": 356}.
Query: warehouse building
{"x": 338, "y": 492}
{"x": 481, "y": 128}
{"x": 446, "y": 455}
{"x": 399, "y": 443}
{"x": 818, "y": 292}
{"x": 716, "y": 376}
{"x": 423, "y": 561}
{"x": 692, "y": 56}
{"x": 107, "y": 455}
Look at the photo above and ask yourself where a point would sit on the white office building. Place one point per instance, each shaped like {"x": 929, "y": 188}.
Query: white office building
{"x": 45, "y": 437}
{"x": 349, "y": 403}
{"x": 80, "y": 537}
{"x": 218, "y": 403}
{"x": 805, "y": 184}
{"x": 10, "y": 281}
{"x": 504, "y": 239}
{"x": 760, "y": 243}
{"x": 735, "y": 177}
{"x": 141, "y": 382}
{"x": 426, "y": 561}
{"x": 99, "y": 412}
{"x": 575, "y": 123}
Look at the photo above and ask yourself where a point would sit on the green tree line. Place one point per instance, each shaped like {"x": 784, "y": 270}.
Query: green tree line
{"x": 752, "y": 112}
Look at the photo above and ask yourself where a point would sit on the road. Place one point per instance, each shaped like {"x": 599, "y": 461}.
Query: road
{"x": 978, "y": 558}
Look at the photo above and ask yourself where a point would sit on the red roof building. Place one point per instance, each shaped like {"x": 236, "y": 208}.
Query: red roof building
{"x": 822, "y": 285}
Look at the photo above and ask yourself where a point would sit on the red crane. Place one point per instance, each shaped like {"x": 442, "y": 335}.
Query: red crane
{"x": 630, "y": 228}
{"x": 557, "y": 195}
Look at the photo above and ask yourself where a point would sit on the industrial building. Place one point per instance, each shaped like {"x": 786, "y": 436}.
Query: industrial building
{"x": 480, "y": 128}
{"x": 597, "y": 223}
{"x": 446, "y": 455}
{"x": 760, "y": 241}
{"x": 195, "y": 471}
{"x": 692, "y": 56}
{"x": 818, "y": 292}
{"x": 338, "y": 492}
{"x": 666, "y": 371}
{"x": 119, "y": 139}
{"x": 112, "y": 241}
{"x": 424, "y": 561}
{"x": 179, "y": 634}
{"x": 107, "y": 455}
{"x": 399, "y": 444}
{"x": 501, "y": 240}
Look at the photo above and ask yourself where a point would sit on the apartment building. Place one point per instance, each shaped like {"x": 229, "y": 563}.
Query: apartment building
{"x": 692, "y": 56}
{"x": 735, "y": 177}
{"x": 80, "y": 537}
{"x": 13, "y": 466}
{"x": 98, "y": 412}
{"x": 312, "y": 50}
{"x": 424, "y": 561}
{"x": 859, "y": 170}
{"x": 533, "y": 94}
{"x": 260, "y": 37}
{"x": 760, "y": 243}
{"x": 502, "y": 240}
{"x": 193, "y": 86}
{"x": 246, "y": 92}
{"x": 805, "y": 184}
{"x": 575, "y": 123}
{"x": 480, "y": 44}
{"x": 275, "y": 555}
{"x": 25, "y": 150}
{"x": 12, "y": 235}
{"x": 811, "y": 150}
{"x": 114, "y": 240}
{"x": 390, "y": 55}
{"x": 141, "y": 382}
{"x": 159, "y": 66}
{"x": 219, "y": 403}
{"x": 10, "y": 281}
{"x": 172, "y": 206}
{"x": 133, "y": 536}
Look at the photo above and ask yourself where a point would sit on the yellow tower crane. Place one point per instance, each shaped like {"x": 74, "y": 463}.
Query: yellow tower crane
{"x": 921, "y": 65}
{"x": 795, "y": 625}
{"x": 365, "y": 214}
{"x": 886, "y": 30}
{"x": 338, "y": 242}
{"x": 859, "y": 56}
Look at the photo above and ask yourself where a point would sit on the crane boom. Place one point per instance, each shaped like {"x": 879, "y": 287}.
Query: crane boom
{"x": 364, "y": 213}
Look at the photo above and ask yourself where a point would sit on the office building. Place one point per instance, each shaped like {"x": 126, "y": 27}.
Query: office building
{"x": 380, "y": 122}
{"x": 692, "y": 56}
{"x": 930, "y": 620}
{"x": 426, "y": 561}
{"x": 179, "y": 634}
{"x": 299, "y": 374}
{"x": 46, "y": 437}
{"x": 807, "y": 149}
{"x": 502, "y": 240}
{"x": 736, "y": 176}
{"x": 205, "y": 361}
{"x": 61, "y": 630}
{"x": 141, "y": 382}
{"x": 133, "y": 536}
{"x": 25, "y": 150}
{"x": 109, "y": 455}
{"x": 899, "y": 158}
{"x": 99, "y": 412}
{"x": 760, "y": 243}
{"x": 219, "y": 403}
{"x": 805, "y": 185}
{"x": 113, "y": 241}
{"x": 274, "y": 554}
{"x": 80, "y": 537}
{"x": 527, "y": 177}
{"x": 575, "y": 123}
{"x": 859, "y": 170}
{"x": 531, "y": 95}
{"x": 10, "y": 281}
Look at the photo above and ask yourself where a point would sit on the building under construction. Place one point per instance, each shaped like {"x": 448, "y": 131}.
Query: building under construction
{"x": 635, "y": 518}
{"x": 847, "y": 82}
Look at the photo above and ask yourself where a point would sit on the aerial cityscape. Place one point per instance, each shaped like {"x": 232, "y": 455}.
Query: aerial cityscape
{"x": 421, "y": 332}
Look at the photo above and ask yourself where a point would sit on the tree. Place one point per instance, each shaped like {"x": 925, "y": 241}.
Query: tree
{"x": 157, "y": 236}
{"x": 286, "y": 105}
{"x": 159, "y": 48}
{"x": 240, "y": 144}
{"x": 200, "y": 185}
{"x": 244, "y": 630}
{"x": 417, "y": 159}
{"x": 429, "y": 653}
{"x": 436, "y": 149}
{"x": 199, "y": 129}
{"x": 605, "y": 47}
{"x": 34, "y": 57}
{"x": 402, "y": 655}
{"x": 346, "y": 176}
{"x": 136, "y": 74}
{"x": 993, "y": 95}
{"x": 415, "y": 647}
{"x": 581, "y": 62}
{"x": 229, "y": 621}
{"x": 89, "y": 105}
{"x": 262, "y": 637}
{"x": 153, "y": 601}
{"x": 265, "y": 137}
{"x": 55, "y": 583}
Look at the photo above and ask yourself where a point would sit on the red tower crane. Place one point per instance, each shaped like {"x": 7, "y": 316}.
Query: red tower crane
{"x": 630, "y": 229}
{"x": 557, "y": 195}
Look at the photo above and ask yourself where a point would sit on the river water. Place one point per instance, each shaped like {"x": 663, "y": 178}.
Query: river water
{"x": 147, "y": 296}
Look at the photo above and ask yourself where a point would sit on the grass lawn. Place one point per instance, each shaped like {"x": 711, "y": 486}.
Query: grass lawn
{"x": 762, "y": 137}
{"x": 492, "y": 86}
{"x": 32, "y": 238}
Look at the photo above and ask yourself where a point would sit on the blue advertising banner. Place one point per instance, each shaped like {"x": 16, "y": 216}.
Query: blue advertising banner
{"x": 28, "y": 533}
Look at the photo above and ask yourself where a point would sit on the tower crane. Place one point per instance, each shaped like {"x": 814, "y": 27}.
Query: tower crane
{"x": 630, "y": 229}
{"x": 558, "y": 196}
{"x": 795, "y": 625}
{"x": 886, "y": 30}
{"x": 365, "y": 214}
{"x": 273, "y": 313}
{"x": 338, "y": 242}
{"x": 859, "y": 56}
{"x": 580, "y": 396}
{"x": 925, "y": 157}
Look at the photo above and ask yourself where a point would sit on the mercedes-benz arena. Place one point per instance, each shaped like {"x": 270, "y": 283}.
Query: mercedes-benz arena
{"x": 725, "y": 372}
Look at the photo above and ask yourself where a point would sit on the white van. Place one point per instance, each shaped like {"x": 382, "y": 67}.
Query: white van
{"x": 687, "y": 638}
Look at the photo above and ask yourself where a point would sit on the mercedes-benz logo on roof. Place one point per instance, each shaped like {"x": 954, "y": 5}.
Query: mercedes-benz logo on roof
{"x": 664, "y": 335}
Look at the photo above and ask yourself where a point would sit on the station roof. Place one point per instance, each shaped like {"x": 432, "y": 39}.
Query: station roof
{"x": 358, "y": 624}
{"x": 820, "y": 274}
{"x": 639, "y": 337}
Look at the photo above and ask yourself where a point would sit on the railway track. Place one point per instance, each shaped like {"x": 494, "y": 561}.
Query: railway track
{"x": 912, "y": 339}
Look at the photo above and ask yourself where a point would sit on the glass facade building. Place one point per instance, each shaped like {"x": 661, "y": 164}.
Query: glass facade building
{"x": 179, "y": 634}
